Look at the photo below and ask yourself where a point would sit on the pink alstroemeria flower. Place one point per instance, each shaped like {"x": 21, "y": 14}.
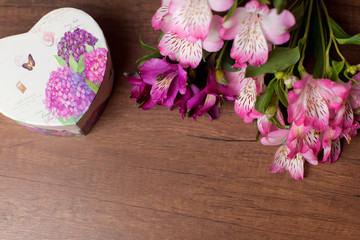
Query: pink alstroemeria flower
{"x": 140, "y": 91}
{"x": 251, "y": 27}
{"x": 311, "y": 99}
{"x": 191, "y": 19}
{"x": 166, "y": 79}
{"x": 331, "y": 144}
{"x": 265, "y": 126}
{"x": 189, "y": 54}
{"x": 292, "y": 154}
{"x": 161, "y": 18}
{"x": 294, "y": 165}
{"x": 246, "y": 91}
{"x": 298, "y": 140}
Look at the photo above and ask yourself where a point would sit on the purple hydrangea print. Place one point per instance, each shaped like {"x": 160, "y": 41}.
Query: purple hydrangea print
{"x": 67, "y": 94}
{"x": 95, "y": 65}
{"x": 74, "y": 43}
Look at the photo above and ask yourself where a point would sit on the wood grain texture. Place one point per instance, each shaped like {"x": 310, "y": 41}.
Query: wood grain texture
{"x": 150, "y": 174}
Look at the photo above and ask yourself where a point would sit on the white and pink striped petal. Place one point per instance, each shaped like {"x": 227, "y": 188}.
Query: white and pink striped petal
{"x": 190, "y": 19}
{"x": 160, "y": 15}
{"x": 181, "y": 50}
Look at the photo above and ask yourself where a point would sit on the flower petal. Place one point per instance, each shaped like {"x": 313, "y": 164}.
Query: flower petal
{"x": 192, "y": 20}
{"x": 213, "y": 42}
{"x": 190, "y": 54}
{"x": 181, "y": 50}
{"x": 221, "y": 6}
{"x": 152, "y": 68}
{"x": 169, "y": 45}
{"x": 335, "y": 150}
{"x": 317, "y": 111}
{"x": 249, "y": 44}
{"x": 280, "y": 160}
{"x": 275, "y": 138}
{"x": 312, "y": 140}
{"x": 160, "y": 13}
{"x": 245, "y": 100}
{"x": 232, "y": 26}
{"x": 332, "y": 92}
{"x": 275, "y": 26}
{"x": 296, "y": 167}
{"x": 160, "y": 89}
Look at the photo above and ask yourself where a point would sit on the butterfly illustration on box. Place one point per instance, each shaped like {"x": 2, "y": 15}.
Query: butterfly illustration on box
{"x": 30, "y": 64}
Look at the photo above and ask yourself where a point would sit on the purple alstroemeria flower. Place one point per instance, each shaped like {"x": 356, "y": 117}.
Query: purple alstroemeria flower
{"x": 208, "y": 99}
{"x": 166, "y": 79}
{"x": 140, "y": 91}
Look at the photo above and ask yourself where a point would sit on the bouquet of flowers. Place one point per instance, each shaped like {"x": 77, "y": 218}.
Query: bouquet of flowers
{"x": 255, "y": 53}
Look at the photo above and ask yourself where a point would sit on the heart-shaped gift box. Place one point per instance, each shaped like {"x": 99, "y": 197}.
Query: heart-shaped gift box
{"x": 57, "y": 77}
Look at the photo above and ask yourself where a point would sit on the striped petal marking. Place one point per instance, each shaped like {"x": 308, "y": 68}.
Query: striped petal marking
{"x": 312, "y": 140}
{"x": 161, "y": 87}
{"x": 280, "y": 160}
{"x": 249, "y": 43}
{"x": 181, "y": 50}
{"x": 192, "y": 20}
{"x": 296, "y": 166}
{"x": 245, "y": 100}
{"x": 160, "y": 13}
{"x": 335, "y": 150}
{"x": 316, "y": 108}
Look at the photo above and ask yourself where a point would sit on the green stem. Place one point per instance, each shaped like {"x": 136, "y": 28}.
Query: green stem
{"x": 332, "y": 37}
{"x": 322, "y": 37}
{"x": 293, "y": 4}
{"x": 221, "y": 54}
{"x": 304, "y": 39}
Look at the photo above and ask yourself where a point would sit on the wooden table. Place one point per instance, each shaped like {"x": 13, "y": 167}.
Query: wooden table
{"x": 150, "y": 174}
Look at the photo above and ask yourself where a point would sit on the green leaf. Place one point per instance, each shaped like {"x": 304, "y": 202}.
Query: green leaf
{"x": 298, "y": 13}
{"x": 89, "y": 48}
{"x": 337, "y": 66}
{"x": 150, "y": 56}
{"x": 69, "y": 122}
{"x": 231, "y": 11}
{"x": 227, "y": 62}
{"x": 78, "y": 118}
{"x": 147, "y": 47}
{"x": 279, "y": 59}
{"x": 279, "y": 5}
{"x": 81, "y": 64}
{"x": 315, "y": 42}
{"x": 277, "y": 123}
{"x": 264, "y": 99}
{"x": 92, "y": 86}
{"x": 73, "y": 64}
{"x": 60, "y": 61}
{"x": 338, "y": 31}
{"x": 351, "y": 40}
{"x": 281, "y": 93}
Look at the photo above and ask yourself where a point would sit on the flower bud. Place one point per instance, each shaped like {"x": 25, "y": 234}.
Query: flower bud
{"x": 289, "y": 81}
{"x": 279, "y": 75}
{"x": 358, "y": 67}
{"x": 220, "y": 77}
{"x": 351, "y": 70}
{"x": 271, "y": 111}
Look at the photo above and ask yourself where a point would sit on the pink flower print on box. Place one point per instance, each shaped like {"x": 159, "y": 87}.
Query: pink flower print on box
{"x": 95, "y": 65}
{"x": 67, "y": 95}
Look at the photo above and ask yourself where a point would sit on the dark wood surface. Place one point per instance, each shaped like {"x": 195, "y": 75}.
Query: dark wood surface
{"x": 150, "y": 174}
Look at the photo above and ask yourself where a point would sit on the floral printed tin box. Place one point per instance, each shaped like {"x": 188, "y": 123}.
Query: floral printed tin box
{"x": 57, "y": 77}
